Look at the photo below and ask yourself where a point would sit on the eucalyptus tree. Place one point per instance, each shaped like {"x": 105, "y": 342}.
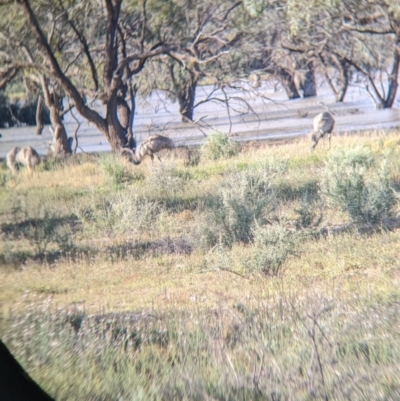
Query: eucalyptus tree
{"x": 376, "y": 25}
{"x": 350, "y": 35}
{"x": 203, "y": 35}
{"x": 266, "y": 28}
{"x": 89, "y": 50}
{"x": 25, "y": 59}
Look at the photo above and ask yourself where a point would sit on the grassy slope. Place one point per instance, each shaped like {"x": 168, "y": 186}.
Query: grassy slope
{"x": 102, "y": 274}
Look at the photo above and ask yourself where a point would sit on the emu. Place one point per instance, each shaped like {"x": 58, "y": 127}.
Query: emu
{"x": 150, "y": 146}
{"x": 26, "y": 156}
{"x": 323, "y": 124}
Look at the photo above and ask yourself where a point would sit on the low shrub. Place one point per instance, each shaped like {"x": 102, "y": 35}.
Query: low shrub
{"x": 360, "y": 186}
{"x": 308, "y": 213}
{"x": 273, "y": 244}
{"x": 243, "y": 199}
{"x": 124, "y": 214}
{"x": 114, "y": 169}
{"x": 218, "y": 146}
{"x": 40, "y": 228}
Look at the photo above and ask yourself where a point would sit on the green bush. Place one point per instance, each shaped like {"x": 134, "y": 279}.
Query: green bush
{"x": 308, "y": 213}
{"x": 124, "y": 214}
{"x": 273, "y": 244}
{"x": 114, "y": 169}
{"x": 243, "y": 199}
{"x": 218, "y": 146}
{"x": 166, "y": 181}
{"x": 361, "y": 187}
{"x": 354, "y": 157}
{"x": 40, "y": 228}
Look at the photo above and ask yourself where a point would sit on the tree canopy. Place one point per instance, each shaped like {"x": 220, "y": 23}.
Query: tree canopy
{"x": 93, "y": 51}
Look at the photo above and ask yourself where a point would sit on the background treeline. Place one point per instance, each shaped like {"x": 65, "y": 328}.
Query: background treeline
{"x": 114, "y": 50}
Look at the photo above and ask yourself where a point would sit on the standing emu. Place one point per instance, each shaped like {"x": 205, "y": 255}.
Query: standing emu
{"x": 323, "y": 124}
{"x": 26, "y": 156}
{"x": 150, "y": 146}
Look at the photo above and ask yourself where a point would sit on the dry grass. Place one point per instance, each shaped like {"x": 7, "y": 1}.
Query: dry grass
{"x": 223, "y": 318}
{"x": 70, "y": 186}
{"x": 344, "y": 264}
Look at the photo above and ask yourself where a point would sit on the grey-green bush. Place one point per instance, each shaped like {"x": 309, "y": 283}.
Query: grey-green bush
{"x": 360, "y": 186}
{"x": 165, "y": 182}
{"x": 113, "y": 169}
{"x": 243, "y": 199}
{"x": 308, "y": 213}
{"x": 218, "y": 145}
{"x": 272, "y": 246}
{"x": 124, "y": 214}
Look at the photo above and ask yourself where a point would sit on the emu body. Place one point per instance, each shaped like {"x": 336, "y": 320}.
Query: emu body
{"x": 26, "y": 156}
{"x": 150, "y": 147}
{"x": 323, "y": 124}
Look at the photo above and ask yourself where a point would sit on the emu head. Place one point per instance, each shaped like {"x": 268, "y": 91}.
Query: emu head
{"x": 131, "y": 155}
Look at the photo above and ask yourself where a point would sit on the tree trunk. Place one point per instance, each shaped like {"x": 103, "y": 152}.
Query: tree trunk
{"x": 123, "y": 113}
{"x": 39, "y": 116}
{"x": 61, "y": 144}
{"x": 288, "y": 83}
{"x": 343, "y": 69}
{"x": 393, "y": 84}
{"x": 131, "y": 139}
{"x": 344, "y": 81}
{"x": 186, "y": 98}
{"x": 115, "y": 133}
{"x": 309, "y": 84}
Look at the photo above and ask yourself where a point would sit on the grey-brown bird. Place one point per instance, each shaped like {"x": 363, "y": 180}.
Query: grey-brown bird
{"x": 323, "y": 124}
{"x": 150, "y": 147}
{"x": 26, "y": 156}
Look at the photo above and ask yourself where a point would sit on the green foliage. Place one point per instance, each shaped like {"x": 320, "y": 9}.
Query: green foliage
{"x": 166, "y": 181}
{"x": 243, "y": 199}
{"x": 353, "y": 158}
{"x": 363, "y": 192}
{"x": 254, "y": 7}
{"x": 273, "y": 244}
{"x": 149, "y": 356}
{"x": 40, "y": 228}
{"x": 218, "y": 145}
{"x": 123, "y": 214}
{"x": 301, "y": 14}
{"x": 114, "y": 169}
{"x": 309, "y": 213}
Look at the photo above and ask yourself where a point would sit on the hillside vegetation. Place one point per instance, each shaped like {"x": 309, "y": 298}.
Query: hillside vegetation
{"x": 242, "y": 272}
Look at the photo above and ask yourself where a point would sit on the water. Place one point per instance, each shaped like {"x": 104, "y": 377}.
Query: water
{"x": 265, "y": 115}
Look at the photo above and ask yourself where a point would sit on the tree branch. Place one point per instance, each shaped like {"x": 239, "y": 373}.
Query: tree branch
{"x": 56, "y": 71}
{"x": 7, "y": 75}
{"x": 86, "y": 49}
